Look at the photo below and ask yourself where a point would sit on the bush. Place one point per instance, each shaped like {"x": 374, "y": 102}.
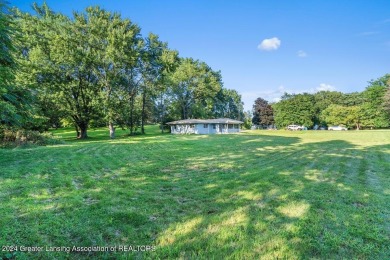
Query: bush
{"x": 21, "y": 137}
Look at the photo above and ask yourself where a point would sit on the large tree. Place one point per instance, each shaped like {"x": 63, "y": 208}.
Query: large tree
{"x": 228, "y": 104}
{"x": 373, "y": 112}
{"x": 295, "y": 109}
{"x": 17, "y": 108}
{"x": 322, "y": 100}
{"x": 118, "y": 53}
{"x": 81, "y": 63}
{"x": 194, "y": 83}
{"x": 350, "y": 116}
{"x": 8, "y": 93}
{"x": 263, "y": 114}
{"x": 161, "y": 96}
{"x": 157, "y": 62}
{"x": 60, "y": 53}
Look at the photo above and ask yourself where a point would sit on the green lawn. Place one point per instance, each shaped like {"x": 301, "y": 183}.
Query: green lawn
{"x": 269, "y": 194}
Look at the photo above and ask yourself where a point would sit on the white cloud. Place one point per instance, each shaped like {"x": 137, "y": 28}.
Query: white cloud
{"x": 325, "y": 87}
{"x": 301, "y": 54}
{"x": 269, "y": 44}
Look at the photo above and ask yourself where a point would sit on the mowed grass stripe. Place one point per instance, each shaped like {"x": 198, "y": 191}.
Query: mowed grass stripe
{"x": 353, "y": 198}
{"x": 255, "y": 194}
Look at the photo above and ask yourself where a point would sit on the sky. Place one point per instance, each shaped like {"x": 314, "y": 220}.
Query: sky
{"x": 266, "y": 48}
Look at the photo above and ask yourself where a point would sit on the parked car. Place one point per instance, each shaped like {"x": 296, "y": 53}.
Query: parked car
{"x": 337, "y": 128}
{"x": 295, "y": 127}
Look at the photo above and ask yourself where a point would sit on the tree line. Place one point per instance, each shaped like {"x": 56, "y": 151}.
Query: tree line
{"x": 96, "y": 69}
{"x": 368, "y": 109}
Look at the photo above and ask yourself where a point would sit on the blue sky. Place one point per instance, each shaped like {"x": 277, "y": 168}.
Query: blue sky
{"x": 266, "y": 48}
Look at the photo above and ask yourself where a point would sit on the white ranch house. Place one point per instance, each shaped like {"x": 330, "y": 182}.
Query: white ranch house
{"x": 205, "y": 126}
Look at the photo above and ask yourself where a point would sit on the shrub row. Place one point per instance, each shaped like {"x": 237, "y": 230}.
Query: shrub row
{"x": 20, "y": 137}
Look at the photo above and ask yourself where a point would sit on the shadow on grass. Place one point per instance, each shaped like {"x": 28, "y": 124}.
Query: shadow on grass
{"x": 314, "y": 200}
{"x": 239, "y": 196}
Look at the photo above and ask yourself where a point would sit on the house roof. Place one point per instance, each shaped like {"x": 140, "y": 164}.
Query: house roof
{"x": 205, "y": 121}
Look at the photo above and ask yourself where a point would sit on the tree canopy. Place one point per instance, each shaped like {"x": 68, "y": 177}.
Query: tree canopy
{"x": 95, "y": 68}
{"x": 295, "y": 109}
{"x": 8, "y": 92}
{"x": 367, "y": 109}
{"x": 263, "y": 114}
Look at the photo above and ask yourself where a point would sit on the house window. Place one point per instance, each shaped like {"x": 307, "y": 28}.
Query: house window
{"x": 230, "y": 126}
{"x": 192, "y": 126}
{"x": 205, "y": 125}
{"x": 213, "y": 126}
{"x": 236, "y": 126}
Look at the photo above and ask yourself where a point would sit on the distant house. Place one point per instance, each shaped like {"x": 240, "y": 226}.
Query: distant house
{"x": 205, "y": 126}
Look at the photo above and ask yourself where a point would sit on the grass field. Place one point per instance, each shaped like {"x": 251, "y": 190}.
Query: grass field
{"x": 257, "y": 194}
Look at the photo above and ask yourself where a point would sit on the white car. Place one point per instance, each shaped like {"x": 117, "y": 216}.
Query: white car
{"x": 337, "y": 128}
{"x": 295, "y": 127}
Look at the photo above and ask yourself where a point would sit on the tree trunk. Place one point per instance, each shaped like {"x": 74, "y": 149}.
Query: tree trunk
{"x": 77, "y": 131}
{"x": 162, "y": 115}
{"x": 111, "y": 127}
{"x": 143, "y": 112}
{"x": 83, "y": 131}
{"x": 132, "y": 116}
{"x": 183, "y": 112}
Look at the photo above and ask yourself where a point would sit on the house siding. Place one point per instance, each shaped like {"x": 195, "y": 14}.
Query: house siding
{"x": 182, "y": 129}
{"x": 200, "y": 129}
{"x": 205, "y": 126}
